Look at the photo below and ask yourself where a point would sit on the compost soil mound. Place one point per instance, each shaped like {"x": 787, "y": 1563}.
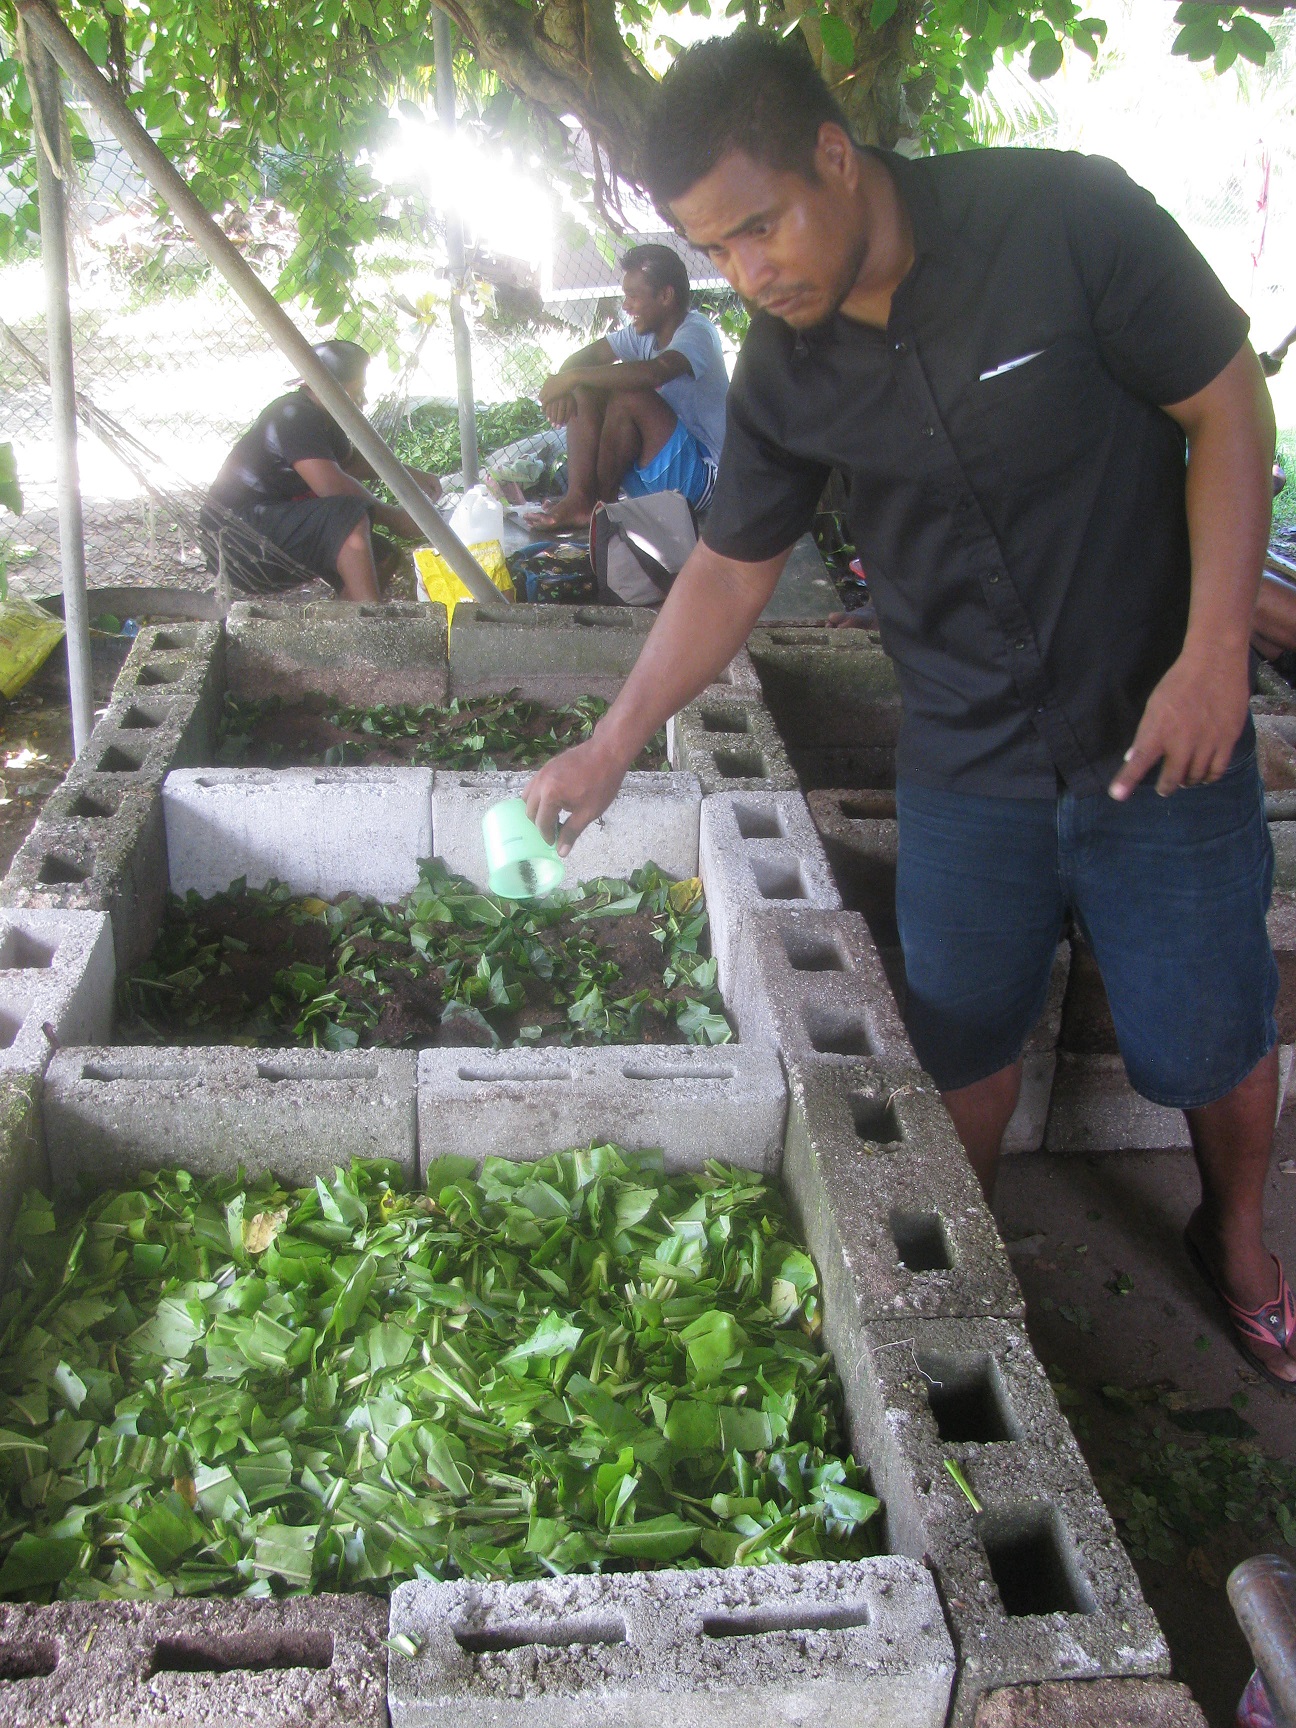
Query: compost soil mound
{"x": 227, "y": 1007}
{"x": 302, "y": 736}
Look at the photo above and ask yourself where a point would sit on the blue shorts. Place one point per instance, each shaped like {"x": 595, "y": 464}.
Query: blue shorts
{"x": 681, "y": 465}
{"x": 1171, "y": 893}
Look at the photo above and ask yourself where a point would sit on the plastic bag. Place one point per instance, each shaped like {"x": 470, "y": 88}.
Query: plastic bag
{"x": 439, "y": 581}
{"x": 28, "y": 635}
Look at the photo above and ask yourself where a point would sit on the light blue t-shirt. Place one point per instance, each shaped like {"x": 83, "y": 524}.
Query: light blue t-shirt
{"x": 697, "y": 402}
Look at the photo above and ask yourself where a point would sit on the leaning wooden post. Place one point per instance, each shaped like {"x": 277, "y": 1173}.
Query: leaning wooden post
{"x": 54, "y": 35}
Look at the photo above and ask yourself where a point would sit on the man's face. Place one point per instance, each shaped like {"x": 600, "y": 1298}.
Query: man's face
{"x": 792, "y": 245}
{"x": 355, "y": 389}
{"x": 647, "y": 308}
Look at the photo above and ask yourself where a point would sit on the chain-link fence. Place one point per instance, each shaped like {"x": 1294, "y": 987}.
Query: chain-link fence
{"x": 171, "y": 367}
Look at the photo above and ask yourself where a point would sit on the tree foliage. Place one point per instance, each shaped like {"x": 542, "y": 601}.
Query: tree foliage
{"x": 290, "y": 100}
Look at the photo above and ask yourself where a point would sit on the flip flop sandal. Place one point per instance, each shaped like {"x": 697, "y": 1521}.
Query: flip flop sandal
{"x": 1271, "y": 1326}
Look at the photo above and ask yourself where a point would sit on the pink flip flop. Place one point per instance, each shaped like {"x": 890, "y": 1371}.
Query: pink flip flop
{"x": 1271, "y": 1326}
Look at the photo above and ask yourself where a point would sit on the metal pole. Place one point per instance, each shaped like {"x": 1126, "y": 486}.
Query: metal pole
{"x": 168, "y": 184}
{"x": 445, "y": 104}
{"x": 47, "y": 125}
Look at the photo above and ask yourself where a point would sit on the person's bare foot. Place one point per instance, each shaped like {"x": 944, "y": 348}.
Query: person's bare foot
{"x": 565, "y": 513}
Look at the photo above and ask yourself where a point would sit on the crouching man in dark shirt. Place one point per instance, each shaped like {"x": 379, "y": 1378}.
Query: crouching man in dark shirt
{"x": 295, "y": 481}
{"x": 1010, "y": 353}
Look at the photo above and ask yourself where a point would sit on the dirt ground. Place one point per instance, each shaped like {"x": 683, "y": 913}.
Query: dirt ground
{"x": 1112, "y": 1303}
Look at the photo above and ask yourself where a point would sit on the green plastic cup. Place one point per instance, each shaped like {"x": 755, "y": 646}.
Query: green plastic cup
{"x": 520, "y": 862}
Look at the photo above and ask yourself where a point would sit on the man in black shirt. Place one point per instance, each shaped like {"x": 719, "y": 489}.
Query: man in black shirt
{"x": 295, "y": 481}
{"x": 1010, "y": 353}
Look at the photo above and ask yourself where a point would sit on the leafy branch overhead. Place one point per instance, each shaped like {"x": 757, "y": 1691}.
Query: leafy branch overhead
{"x": 581, "y": 1364}
{"x": 286, "y": 100}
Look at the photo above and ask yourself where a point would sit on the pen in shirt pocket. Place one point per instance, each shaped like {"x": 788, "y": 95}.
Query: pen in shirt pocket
{"x": 1010, "y": 365}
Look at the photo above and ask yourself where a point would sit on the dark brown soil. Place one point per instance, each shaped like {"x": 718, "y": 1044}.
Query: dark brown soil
{"x": 229, "y": 1005}
{"x": 302, "y": 736}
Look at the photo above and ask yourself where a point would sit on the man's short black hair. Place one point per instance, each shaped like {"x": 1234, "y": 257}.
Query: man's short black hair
{"x": 661, "y": 267}
{"x": 345, "y": 360}
{"x": 752, "y": 92}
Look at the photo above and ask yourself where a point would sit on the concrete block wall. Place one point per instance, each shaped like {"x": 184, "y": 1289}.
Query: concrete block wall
{"x": 56, "y": 984}
{"x": 393, "y": 653}
{"x": 98, "y": 844}
{"x": 730, "y": 743}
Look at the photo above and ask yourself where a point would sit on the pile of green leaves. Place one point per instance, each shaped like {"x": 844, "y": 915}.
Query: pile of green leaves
{"x": 430, "y": 438}
{"x": 576, "y": 1365}
{"x": 477, "y": 733}
{"x": 492, "y": 960}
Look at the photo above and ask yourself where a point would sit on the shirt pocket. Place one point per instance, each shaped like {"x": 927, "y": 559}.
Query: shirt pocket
{"x": 1042, "y": 415}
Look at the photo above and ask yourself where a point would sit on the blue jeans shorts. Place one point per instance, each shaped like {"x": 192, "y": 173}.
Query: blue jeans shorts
{"x": 1171, "y": 893}
{"x": 681, "y": 465}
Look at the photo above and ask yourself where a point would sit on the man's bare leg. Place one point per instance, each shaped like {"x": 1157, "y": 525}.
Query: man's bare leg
{"x": 610, "y": 433}
{"x": 981, "y": 1112}
{"x": 1232, "y": 1140}
{"x": 355, "y": 564}
{"x": 584, "y": 432}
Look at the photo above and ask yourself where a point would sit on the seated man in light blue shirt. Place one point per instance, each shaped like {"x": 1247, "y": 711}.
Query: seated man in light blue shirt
{"x": 644, "y": 407}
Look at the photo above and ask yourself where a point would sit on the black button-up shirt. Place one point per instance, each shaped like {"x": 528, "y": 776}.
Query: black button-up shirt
{"x": 1016, "y": 492}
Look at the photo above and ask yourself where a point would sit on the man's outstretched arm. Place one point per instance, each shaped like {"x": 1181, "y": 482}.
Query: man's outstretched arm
{"x": 1195, "y": 715}
{"x": 706, "y": 618}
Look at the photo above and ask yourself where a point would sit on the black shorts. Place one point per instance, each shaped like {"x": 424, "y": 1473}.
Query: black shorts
{"x": 310, "y": 531}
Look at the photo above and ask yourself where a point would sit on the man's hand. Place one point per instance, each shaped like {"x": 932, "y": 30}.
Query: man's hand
{"x": 557, "y": 400}
{"x": 582, "y": 781}
{"x": 1193, "y": 719}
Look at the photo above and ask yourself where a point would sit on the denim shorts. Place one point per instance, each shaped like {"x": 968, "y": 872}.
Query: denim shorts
{"x": 681, "y": 465}
{"x": 1171, "y": 893}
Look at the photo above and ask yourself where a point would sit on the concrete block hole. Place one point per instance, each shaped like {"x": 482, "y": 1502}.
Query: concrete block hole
{"x": 241, "y": 1652}
{"x": 766, "y": 1620}
{"x": 730, "y": 720}
{"x": 27, "y": 1659}
{"x": 20, "y": 952}
{"x": 776, "y": 880}
{"x": 315, "y": 1071}
{"x": 807, "y": 953}
{"x": 152, "y": 675}
{"x": 175, "y": 641}
{"x": 756, "y": 824}
{"x": 967, "y": 1399}
{"x": 741, "y": 765}
{"x": 921, "y": 1241}
{"x": 115, "y": 760}
{"x": 137, "y": 719}
{"x": 875, "y": 1119}
{"x": 836, "y": 1032}
{"x": 544, "y": 1635}
{"x": 96, "y": 805}
{"x": 1032, "y": 1563}
{"x": 58, "y": 871}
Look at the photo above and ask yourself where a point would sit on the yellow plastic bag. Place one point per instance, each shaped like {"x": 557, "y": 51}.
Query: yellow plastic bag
{"x": 28, "y": 635}
{"x": 440, "y": 582}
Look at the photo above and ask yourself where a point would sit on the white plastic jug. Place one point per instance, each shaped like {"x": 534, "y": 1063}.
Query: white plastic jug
{"x": 478, "y": 517}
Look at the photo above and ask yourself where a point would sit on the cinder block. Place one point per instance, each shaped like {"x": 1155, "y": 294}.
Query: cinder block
{"x": 891, "y": 1209}
{"x": 1091, "y": 1704}
{"x": 654, "y": 817}
{"x": 812, "y": 984}
{"x": 235, "y": 1663}
{"x": 758, "y": 849}
{"x": 99, "y": 846}
{"x": 731, "y": 744}
{"x": 728, "y": 1103}
{"x": 1275, "y": 755}
{"x": 1036, "y": 1585}
{"x": 1095, "y": 1109}
{"x": 550, "y": 653}
{"x": 22, "y": 1154}
{"x": 748, "y": 1647}
{"x": 389, "y": 653}
{"x": 321, "y": 830}
{"x": 178, "y": 660}
{"x": 110, "y": 1112}
{"x": 740, "y": 677}
{"x": 835, "y": 701}
{"x": 861, "y": 846}
{"x": 142, "y": 737}
{"x": 56, "y": 984}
